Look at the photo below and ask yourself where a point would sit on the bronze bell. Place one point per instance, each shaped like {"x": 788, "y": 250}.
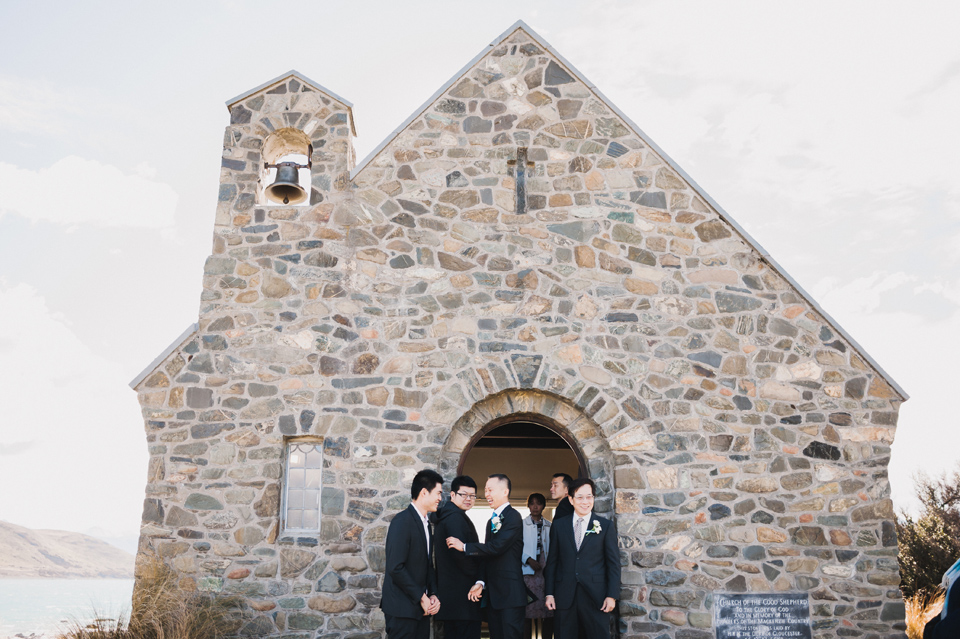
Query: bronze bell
{"x": 286, "y": 188}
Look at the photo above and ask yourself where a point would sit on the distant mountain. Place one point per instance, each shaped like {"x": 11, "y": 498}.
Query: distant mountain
{"x": 59, "y": 554}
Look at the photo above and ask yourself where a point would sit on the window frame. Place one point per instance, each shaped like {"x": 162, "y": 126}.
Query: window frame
{"x": 289, "y": 446}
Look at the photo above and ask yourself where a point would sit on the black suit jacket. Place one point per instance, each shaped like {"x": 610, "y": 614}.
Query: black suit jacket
{"x": 500, "y": 568}
{"x": 409, "y": 571}
{"x": 456, "y": 572}
{"x": 595, "y": 567}
{"x": 564, "y": 508}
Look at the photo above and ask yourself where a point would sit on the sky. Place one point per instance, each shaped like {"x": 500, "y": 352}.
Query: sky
{"x": 828, "y": 130}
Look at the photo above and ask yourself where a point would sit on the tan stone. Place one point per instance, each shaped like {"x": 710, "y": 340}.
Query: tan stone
{"x": 770, "y": 535}
{"x": 275, "y": 287}
{"x": 640, "y": 287}
{"x": 585, "y": 307}
{"x": 879, "y": 388}
{"x": 570, "y": 354}
{"x": 332, "y": 605}
{"x": 718, "y": 275}
{"x": 594, "y": 181}
{"x": 676, "y": 617}
{"x": 840, "y": 538}
{"x": 758, "y": 485}
{"x": 776, "y": 390}
{"x": 734, "y": 365}
{"x": 595, "y": 375}
{"x": 662, "y": 478}
{"x": 585, "y": 256}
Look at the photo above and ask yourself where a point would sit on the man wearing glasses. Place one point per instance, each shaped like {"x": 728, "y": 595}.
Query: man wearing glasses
{"x": 582, "y": 576}
{"x": 456, "y": 572}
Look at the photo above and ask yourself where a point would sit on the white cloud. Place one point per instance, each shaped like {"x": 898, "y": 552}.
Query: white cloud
{"x": 30, "y": 106}
{"x": 76, "y": 190}
{"x": 71, "y": 435}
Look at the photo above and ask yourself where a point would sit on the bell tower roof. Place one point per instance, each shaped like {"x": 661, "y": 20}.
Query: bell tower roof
{"x": 293, "y": 73}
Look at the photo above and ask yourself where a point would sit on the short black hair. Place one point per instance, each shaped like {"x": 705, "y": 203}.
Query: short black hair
{"x": 580, "y": 483}
{"x": 461, "y": 481}
{"x": 502, "y": 477}
{"x": 537, "y": 497}
{"x": 567, "y": 480}
{"x": 425, "y": 479}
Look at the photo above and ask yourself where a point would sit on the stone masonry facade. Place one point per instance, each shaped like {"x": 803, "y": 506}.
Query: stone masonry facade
{"x": 738, "y": 438}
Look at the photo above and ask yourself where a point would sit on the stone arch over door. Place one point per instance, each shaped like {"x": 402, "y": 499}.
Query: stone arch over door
{"x": 551, "y": 411}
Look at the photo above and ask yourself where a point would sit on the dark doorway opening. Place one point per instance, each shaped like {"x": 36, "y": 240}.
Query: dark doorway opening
{"x": 526, "y": 451}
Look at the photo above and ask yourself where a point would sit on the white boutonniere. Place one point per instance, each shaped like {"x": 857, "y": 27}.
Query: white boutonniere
{"x": 495, "y": 524}
{"x": 595, "y": 530}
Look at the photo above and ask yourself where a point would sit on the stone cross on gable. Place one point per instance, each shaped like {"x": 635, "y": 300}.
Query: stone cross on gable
{"x": 520, "y": 178}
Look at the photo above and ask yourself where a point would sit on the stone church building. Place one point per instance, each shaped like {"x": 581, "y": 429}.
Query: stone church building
{"x": 520, "y": 276}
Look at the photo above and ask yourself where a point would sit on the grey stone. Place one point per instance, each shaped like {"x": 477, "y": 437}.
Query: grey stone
{"x": 579, "y": 231}
{"x": 474, "y": 124}
{"x": 199, "y": 501}
{"x": 556, "y": 75}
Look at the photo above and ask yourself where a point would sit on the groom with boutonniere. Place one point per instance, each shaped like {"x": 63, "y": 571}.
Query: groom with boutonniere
{"x": 501, "y": 572}
{"x": 582, "y": 575}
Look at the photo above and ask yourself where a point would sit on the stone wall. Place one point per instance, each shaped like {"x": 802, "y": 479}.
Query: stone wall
{"x": 740, "y": 441}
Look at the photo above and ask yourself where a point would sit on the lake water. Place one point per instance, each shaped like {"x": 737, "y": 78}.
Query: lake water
{"x": 42, "y": 605}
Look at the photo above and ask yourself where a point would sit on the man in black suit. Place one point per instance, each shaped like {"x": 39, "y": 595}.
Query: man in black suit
{"x": 409, "y": 584}
{"x": 582, "y": 576}
{"x": 456, "y": 572}
{"x": 501, "y": 556}
{"x": 560, "y": 490}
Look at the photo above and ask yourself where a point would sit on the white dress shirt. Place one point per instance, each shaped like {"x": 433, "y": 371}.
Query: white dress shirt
{"x": 583, "y": 526}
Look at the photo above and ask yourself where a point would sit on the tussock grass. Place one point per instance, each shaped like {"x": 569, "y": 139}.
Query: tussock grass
{"x": 921, "y": 608}
{"x": 162, "y": 610}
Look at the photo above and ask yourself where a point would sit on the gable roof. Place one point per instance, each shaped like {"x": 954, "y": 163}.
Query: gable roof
{"x": 521, "y": 25}
{"x": 293, "y": 73}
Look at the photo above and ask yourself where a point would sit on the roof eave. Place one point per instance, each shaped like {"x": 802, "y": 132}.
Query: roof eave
{"x": 187, "y": 334}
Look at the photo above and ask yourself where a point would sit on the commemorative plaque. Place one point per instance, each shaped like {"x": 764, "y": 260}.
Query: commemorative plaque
{"x": 762, "y": 616}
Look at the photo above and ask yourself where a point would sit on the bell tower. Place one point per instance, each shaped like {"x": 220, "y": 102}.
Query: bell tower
{"x": 287, "y": 156}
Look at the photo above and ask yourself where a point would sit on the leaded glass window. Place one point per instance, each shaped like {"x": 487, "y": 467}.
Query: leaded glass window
{"x": 302, "y": 494}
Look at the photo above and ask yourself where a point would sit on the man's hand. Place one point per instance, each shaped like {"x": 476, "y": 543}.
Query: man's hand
{"x": 426, "y": 604}
{"x": 533, "y": 563}
{"x": 475, "y": 593}
{"x": 434, "y": 605}
{"x": 456, "y": 544}
{"x": 551, "y": 603}
{"x": 608, "y": 604}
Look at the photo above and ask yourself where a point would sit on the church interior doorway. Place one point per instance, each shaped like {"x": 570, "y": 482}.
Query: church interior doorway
{"x": 527, "y": 452}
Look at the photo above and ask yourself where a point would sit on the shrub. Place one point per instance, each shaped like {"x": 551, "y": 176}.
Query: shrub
{"x": 921, "y": 608}
{"x": 162, "y": 610}
{"x": 930, "y": 544}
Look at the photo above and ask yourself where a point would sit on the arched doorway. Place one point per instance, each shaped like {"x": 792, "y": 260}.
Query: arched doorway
{"x": 558, "y": 414}
{"x": 526, "y": 451}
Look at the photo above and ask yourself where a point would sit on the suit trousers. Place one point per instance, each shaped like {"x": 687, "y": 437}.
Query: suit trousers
{"x": 406, "y": 628}
{"x": 461, "y": 629}
{"x": 584, "y": 613}
{"x": 506, "y": 623}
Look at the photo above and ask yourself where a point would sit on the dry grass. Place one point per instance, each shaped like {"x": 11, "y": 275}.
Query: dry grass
{"x": 921, "y": 608}
{"x": 161, "y": 610}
